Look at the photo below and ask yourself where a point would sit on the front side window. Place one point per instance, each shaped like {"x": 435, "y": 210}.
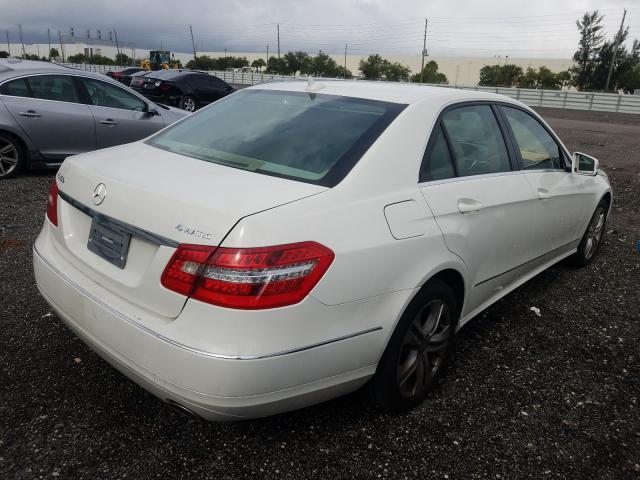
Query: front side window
{"x": 16, "y": 88}
{"x": 538, "y": 149}
{"x": 476, "y": 141}
{"x": 309, "y": 137}
{"x": 60, "y": 88}
{"x": 437, "y": 163}
{"x": 103, "y": 94}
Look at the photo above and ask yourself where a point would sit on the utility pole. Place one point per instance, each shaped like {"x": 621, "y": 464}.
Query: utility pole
{"x": 115, "y": 34}
{"x": 615, "y": 50}
{"x": 424, "y": 49}
{"x": 21, "y": 39}
{"x": 225, "y": 53}
{"x": 61, "y": 47}
{"x": 345, "y": 61}
{"x": 193, "y": 44}
{"x": 278, "y": 45}
{"x": 49, "y": 39}
{"x": 8, "y": 44}
{"x": 267, "y": 56}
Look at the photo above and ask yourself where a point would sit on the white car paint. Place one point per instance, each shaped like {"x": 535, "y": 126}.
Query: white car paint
{"x": 390, "y": 234}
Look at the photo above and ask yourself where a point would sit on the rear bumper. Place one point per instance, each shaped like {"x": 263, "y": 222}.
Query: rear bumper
{"x": 216, "y": 387}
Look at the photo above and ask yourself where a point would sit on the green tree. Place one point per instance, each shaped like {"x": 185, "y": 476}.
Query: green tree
{"x": 277, "y": 66}
{"x": 31, "y": 56}
{"x": 342, "y": 73}
{"x": 529, "y": 79}
{"x": 54, "y": 53}
{"x": 591, "y": 37}
{"x": 547, "y": 79}
{"x": 373, "y": 67}
{"x": 500, "y": 75}
{"x": 630, "y": 80}
{"x": 123, "y": 59}
{"x": 203, "y": 62}
{"x": 259, "y": 64}
{"x": 297, "y": 62}
{"x": 564, "y": 78}
{"x": 322, "y": 65}
{"x": 4, "y": 54}
{"x": 77, "y": 58}
{"x": 430, "y": 74}
{"x": 396, "y": 72}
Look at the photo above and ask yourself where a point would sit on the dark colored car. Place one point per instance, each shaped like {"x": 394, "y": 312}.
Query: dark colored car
{"x": 186, "y": 89}
{"x": 123, "y": 75}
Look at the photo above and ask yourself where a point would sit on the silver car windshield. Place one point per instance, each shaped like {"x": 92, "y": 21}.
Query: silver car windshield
{"x": 308, "y": 137}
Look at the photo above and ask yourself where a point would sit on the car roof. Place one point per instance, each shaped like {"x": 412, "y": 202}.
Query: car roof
{"x": 21, "y": 68}
{"x": 175, "y": 73}
{"x": 396, "y": 92}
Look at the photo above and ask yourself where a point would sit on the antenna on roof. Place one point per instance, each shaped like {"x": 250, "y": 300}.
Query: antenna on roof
{"x": 312, "y": 86}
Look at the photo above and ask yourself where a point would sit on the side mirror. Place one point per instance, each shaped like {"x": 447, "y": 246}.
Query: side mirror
{"x": 151, "y": 111}
{"x": 584, "y": 164}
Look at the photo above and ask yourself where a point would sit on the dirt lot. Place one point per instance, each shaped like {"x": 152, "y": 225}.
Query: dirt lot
{"x": 555, "y": 396}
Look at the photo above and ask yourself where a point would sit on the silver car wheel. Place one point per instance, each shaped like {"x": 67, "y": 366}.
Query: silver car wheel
{"x": 9, "y": 157}
{"x": 189, "y": 104}
{"x": 594, "y": 233}
{"x": 423, "y": 349}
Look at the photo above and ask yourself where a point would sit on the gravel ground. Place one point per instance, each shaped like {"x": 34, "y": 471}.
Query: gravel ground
{"x": 554, "y": 396}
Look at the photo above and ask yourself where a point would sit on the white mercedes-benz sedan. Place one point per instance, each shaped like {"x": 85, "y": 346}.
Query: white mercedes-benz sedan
{"x": 294, "y": 241}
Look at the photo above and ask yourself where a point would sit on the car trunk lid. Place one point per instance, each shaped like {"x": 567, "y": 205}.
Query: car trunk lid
{"x": 154, "y": 200}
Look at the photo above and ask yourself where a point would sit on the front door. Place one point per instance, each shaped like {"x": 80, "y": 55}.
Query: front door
{"x": 482, "y": 206}
{"x": 563, "y": 197}
{"x": 120, "y": 116}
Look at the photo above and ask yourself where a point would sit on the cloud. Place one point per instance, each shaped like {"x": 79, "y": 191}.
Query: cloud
{"x": 392, "y": 27}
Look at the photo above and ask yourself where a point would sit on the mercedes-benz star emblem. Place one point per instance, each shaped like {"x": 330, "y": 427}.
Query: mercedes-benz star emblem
{"x": 99, "y": 193}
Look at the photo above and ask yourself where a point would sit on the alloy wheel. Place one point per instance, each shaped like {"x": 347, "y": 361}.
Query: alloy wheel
{"x": 424, "y": 348}
{"x": 189, "y": 104}
{"x": 8, "y": 157}
{"x": 594, "y": 233}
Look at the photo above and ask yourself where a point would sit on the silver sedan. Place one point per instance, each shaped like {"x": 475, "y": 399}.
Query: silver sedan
{"x": 48, "y": 112}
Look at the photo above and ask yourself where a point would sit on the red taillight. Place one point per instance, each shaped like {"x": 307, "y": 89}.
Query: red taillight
{"x": 52, "y": 203}
{"x": 118, "y": 74}
{"x": 247, "y": 278}
{"x": 165, "y": 87}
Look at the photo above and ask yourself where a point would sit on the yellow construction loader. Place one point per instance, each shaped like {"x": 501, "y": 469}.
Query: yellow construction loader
{"x": 159, "y": 60}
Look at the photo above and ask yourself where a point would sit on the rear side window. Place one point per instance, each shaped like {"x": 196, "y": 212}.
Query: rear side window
{"x": 60, "y": 88}
{"x": 16, "y": 88}
{"x": 538, "y": 149}
{"x": 437, "y": 163}
{"x": 476, "y": 141}
{"x": 309, "y": 137}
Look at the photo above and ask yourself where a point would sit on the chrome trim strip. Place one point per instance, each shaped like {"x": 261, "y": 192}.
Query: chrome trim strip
{"x": 138, "y": 232}
{"x": 187, "y": 347}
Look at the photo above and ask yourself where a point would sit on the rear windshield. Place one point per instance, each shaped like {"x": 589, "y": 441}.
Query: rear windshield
{"x": 308, "y": 137}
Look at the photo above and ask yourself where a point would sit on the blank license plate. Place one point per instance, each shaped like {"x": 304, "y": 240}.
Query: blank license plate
{"x": 109, "y": 242}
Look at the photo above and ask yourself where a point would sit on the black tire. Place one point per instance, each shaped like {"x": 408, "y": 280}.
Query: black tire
{"x": 592, "y": 238}
{"x": 12, "y": 156}
{"x": 418, "y": 350}
{"x": 189, "y": 103}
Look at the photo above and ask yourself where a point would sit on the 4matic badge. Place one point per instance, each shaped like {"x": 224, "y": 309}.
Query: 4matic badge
{"x": 193, "y": 231}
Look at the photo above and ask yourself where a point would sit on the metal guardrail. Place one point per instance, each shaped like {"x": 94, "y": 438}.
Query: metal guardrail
{"x": 603, "y": 102}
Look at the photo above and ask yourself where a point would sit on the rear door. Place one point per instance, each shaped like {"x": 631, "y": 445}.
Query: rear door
{"x": 120, "y": 116}
{"x": 49, "y": 109}
{"x": 482, "y": 205}
{"x": 562, "y": 197}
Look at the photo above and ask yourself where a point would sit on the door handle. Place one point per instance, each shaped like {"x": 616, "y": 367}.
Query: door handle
{"x": 30, "y": 113}
{"x": 109, "y": 122}
{"x": 469, "y": 205}
{"x": 543, "y": 194}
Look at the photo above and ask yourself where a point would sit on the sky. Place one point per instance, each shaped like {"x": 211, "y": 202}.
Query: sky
{"x": 515, "y": 28}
